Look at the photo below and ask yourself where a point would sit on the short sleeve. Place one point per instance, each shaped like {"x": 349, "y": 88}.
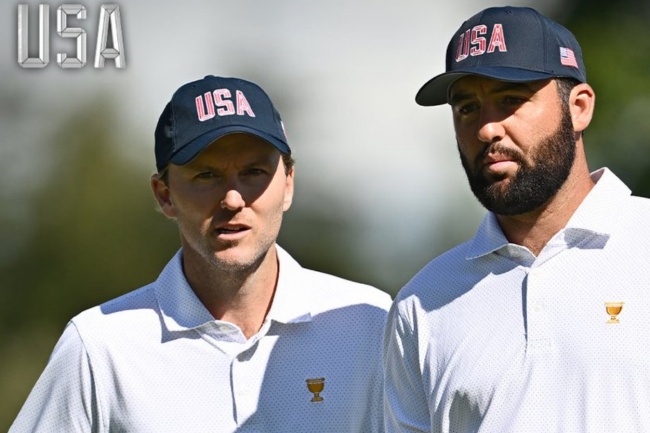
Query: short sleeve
{"x": 405, "y": 402}
{"x": 64, "y": 398}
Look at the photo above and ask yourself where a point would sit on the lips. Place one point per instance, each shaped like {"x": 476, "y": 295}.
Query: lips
{"x": 229, "y": 229}
{"x": 496, "y": 165}
{"x": 493, "y": 159}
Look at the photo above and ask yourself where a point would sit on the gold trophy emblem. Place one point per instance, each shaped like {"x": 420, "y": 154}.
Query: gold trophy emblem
{"x": 316, "y": 386}
{"x": 613, "y": 309}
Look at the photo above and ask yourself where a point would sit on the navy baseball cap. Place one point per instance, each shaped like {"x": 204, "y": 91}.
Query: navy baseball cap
{"x": 205, "y": 110}
{"x": 516, "y": 44}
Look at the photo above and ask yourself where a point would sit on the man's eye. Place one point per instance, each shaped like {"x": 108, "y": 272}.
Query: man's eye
{"x": 465, "y": 109}
{"x": 513, "y": 100}
{"x": 206, "y": 175}
{"x": 254, "y": 172}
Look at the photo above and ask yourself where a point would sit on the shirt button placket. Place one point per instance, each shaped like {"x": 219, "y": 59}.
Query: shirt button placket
{"x": 537, "y": 313}
{"x": 244, "y": 399}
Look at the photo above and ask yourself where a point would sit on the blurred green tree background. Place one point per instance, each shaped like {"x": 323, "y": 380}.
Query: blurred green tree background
{"x": 616, "y": 48}
{"x": 91, "y": 232}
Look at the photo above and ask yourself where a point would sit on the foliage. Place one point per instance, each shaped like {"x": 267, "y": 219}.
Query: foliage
{"x": 617, "y": 57}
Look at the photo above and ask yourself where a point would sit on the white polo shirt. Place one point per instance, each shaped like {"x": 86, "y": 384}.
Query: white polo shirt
{"x": 155, "y": 360}
{"x": 489, "y": 338}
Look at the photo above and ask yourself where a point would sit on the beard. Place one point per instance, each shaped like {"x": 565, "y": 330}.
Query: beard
{"x": 538, "y": 178}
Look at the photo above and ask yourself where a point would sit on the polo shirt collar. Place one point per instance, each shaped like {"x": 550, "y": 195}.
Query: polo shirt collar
{"x": 592, "y": 216}
{"x": 182, "y": 310}
{"x": 488, "y": 238}
{"x": 291, "y": 303}
{"x": 604, "y": 200}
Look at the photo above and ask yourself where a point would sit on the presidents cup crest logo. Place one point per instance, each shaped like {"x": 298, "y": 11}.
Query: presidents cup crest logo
{"x": 316, "y": 386}
{"x": 109, "y": 24}
{"x": 613, "y": 309}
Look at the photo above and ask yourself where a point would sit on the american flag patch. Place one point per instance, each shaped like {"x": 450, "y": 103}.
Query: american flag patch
{"x": 567, "y": 58}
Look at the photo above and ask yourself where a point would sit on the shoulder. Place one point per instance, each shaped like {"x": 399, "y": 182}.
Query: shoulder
{"x": 437, "y": 274}
{"x": 134, "y": 310}
{"x": 640, "y": 205}
{"x": 344, "y": 291}
{"x": 632, "y": 231}
{"x": 326, "y": 291}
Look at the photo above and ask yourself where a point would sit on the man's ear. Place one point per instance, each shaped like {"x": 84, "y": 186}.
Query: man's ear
{"x": 288, "y": 190}
{"x": 581, "y": 105}
{"x": 163, "y": 196}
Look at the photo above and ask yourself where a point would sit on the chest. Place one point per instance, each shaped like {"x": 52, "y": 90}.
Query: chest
{"x": 262, "y": 389}
{"x": 534, "y": 341}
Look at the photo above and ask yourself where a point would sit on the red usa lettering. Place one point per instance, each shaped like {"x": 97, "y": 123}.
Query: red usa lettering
{"x": 473, "y": 42}
{"x": 220, "y": 98}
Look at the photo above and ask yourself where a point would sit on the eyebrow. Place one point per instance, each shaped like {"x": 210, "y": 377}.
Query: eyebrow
{"x": 253, "y": 161}
{"x": 504, "y": 87}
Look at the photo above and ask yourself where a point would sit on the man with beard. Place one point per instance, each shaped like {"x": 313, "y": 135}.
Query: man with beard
{"x": 536, "y": 324}
{"x": 234, "y": 335}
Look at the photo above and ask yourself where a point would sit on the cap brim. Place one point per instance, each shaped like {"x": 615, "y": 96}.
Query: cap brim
{"x": 436, "y": 90}
{"x": 196, "y": 146}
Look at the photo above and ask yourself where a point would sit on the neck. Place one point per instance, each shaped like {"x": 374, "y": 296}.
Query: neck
{"x": 534, "y": 229}
{"x": 241, "y": 297}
